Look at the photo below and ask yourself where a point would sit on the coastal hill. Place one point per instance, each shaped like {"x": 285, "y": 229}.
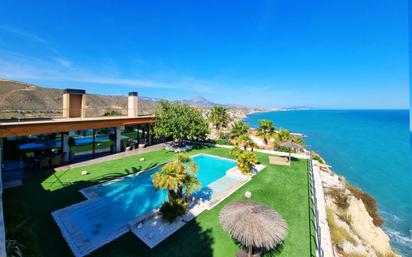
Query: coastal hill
{"x": 16, "y": 95}
{"x": 199, "y": 101}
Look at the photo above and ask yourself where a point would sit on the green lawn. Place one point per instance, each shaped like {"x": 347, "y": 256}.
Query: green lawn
{"x": 282, "y": 188}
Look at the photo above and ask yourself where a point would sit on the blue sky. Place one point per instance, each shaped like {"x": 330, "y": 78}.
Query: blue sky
{"x": 324, "y": 54}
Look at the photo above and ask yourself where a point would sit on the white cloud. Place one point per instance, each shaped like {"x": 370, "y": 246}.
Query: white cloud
{"x": 63, "y": 62}
{"x": 23, "y": 34}
{"x": 18, "y": 67}
{"x": 53, "y": 67}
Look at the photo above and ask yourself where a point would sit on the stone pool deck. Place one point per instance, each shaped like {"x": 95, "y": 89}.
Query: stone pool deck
{"x": 153, "y": 230}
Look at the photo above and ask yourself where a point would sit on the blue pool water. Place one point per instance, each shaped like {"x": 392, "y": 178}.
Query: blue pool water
{"x": 89, "y": 139}
{"x": 211, "y": 168}
{"x": 123, "y": 201}
{"x": 371, "y": 149}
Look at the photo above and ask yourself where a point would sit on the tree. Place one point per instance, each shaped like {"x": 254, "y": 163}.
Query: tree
{"x": 252, "y": 145}
{"x": 180, "y": 122}
{"x": 284, "y": 135}
{"x": 238, "y": 129}
{"x": 235, "y": 151}
{"x": 174, "y": 177}
{"x": 245, "y": 141}
{"x": 177, "y": 175}
{"x": 245, "y": 161}
{"x": 169, "y": 178}
{"x": 265, "y": 130}
{"x": 191, "y": 183}
{"x": 219, "y": 117}
{"x": 189, "y": 180}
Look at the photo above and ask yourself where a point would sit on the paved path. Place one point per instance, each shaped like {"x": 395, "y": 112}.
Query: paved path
{"x": 326, "y": 242}
{"x": 112, "y": 157}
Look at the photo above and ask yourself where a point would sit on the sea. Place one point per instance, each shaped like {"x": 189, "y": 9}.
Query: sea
{"x": 371, "y": 149}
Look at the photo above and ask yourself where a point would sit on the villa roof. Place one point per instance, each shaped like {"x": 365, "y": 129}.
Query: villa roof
{"x": 45, "y": 126}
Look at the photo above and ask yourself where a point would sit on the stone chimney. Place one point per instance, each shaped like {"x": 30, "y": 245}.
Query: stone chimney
{"x": 133, "y": 104}
{"x": 74, "y": 103}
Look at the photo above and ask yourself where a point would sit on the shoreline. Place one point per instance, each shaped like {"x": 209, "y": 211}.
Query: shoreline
{"x": 359, "y": 207}
{"x": 345, "y": 214}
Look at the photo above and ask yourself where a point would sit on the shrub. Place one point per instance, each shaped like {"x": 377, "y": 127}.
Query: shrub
{"x": 13, "y": 248}
{"x": 235, "y": 151}
{"x": 370, "y": 204}
{"x": 17, "y": 229}
{"x": 345, "y": 217}
{"x": 245, "y": 161}
{"x": 14, "y": 212}
{"x": 222, "y": 142}
{"x": 112, "y": 113}
{"x": 338, "y": 234}
{"x": 316, "y": 156}
{"x": 173, "y": 209}
{"x": 340, "y": 198}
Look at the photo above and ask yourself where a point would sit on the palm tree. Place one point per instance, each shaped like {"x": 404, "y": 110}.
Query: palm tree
{"x": 284, "y": 135}
{"x": 190, "y": 169}
{"x": 245, "y": 161}
{"x": 191, "y": 183}
{"x": 281, "y": 136}
{"x": 245, "y": 141}
{"x": 252, "y": 145}
{"x": 169, "y": 178}
{"x": 238, "y": 129}
{"x": 265, "y": 130}
{"x": 235, "y": 151}
{"x": 177, "y": 175}
{"x": 219, "y": 117}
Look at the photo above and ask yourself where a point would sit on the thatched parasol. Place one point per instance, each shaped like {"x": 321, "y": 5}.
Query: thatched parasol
{"x": 253, "y": 225}
{"x": 291, "y": 145}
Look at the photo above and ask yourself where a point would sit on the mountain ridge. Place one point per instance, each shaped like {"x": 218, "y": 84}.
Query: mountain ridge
{"x": 27, "y": 96}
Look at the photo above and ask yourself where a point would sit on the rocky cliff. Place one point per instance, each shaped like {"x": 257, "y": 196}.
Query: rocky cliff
{"x": 353, "y": 219}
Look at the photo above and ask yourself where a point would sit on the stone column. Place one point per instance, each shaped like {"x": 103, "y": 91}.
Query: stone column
{"x": 65, "y": 146}
{"x": 133, "y": 104}
{"x": 83, "y": 107}
{"x": 66, "y": 105}
{"x": 118, "y": 143}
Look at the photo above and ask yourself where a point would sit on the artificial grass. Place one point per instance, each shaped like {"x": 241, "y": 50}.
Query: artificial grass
{"x": 280, "y": 187}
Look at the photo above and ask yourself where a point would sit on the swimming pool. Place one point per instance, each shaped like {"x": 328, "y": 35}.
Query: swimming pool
{"x": 111, "y": 205}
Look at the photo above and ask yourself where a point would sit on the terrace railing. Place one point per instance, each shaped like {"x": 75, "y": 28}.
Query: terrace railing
{"x": 21, "y": 114}
{"x": 314, "y": 228}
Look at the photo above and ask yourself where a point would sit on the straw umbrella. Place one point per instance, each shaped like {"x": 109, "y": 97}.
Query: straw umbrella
{"x": 291, "y": 146}
{"x": 254, "y": 225}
